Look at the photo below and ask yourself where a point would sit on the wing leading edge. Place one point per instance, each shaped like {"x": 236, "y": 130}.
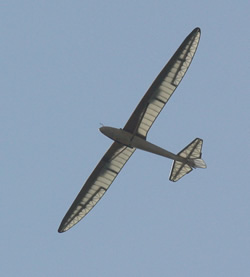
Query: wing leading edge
{"x": 163, "y": 87}
{"x": 97, "y": 184}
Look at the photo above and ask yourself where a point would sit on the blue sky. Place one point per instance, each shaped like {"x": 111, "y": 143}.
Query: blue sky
{"x": 66, "y": 67}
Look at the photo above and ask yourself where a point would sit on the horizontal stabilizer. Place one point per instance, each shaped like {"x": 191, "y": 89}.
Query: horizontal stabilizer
{"x": 179, "y": 169}
{"x": 192, "y": 155}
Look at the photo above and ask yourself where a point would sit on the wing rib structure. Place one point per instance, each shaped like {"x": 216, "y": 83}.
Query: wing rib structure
{"x": 163, "y": 87}
{"x": 138, "y": 124}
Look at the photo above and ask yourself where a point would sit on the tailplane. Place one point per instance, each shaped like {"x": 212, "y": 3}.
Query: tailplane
{"x": 192, "y": 155}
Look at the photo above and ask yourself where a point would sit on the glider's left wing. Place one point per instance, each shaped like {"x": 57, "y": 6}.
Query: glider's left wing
{"x": 163, "y": 87}
{"x": 97, "y": 184}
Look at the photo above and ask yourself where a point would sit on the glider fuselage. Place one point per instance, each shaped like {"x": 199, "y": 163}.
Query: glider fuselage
{"x": 135, "y": 141}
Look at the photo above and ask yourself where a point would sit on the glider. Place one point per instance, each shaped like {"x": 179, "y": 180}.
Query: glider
{"x": 134, "y": 134}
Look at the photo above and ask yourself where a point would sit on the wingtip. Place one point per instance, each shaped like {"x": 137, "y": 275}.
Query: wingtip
{"x": 197, "y": 29}
{"x": 61, "y": 228}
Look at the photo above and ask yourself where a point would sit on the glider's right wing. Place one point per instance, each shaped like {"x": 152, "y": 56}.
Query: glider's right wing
{"x": 163, "y": 87}
{"x": 97, "y": 184}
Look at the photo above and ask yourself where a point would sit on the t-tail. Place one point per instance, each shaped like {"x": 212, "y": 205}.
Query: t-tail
{"x": 192, "y": 155}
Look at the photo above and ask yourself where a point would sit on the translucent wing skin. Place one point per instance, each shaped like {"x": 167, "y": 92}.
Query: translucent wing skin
{"x": 97, "y": 184}
{"x": 163, "y": 87}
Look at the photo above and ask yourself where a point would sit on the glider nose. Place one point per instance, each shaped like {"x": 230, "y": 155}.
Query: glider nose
{"x": 107, "y": 131}
{"x": 104, "y": 130}
{"x": 101, "y": 129}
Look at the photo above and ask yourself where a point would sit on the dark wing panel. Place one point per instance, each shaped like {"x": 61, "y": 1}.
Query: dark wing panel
{"x": 97, "y": 184}
{"x": 163, "y": 87}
